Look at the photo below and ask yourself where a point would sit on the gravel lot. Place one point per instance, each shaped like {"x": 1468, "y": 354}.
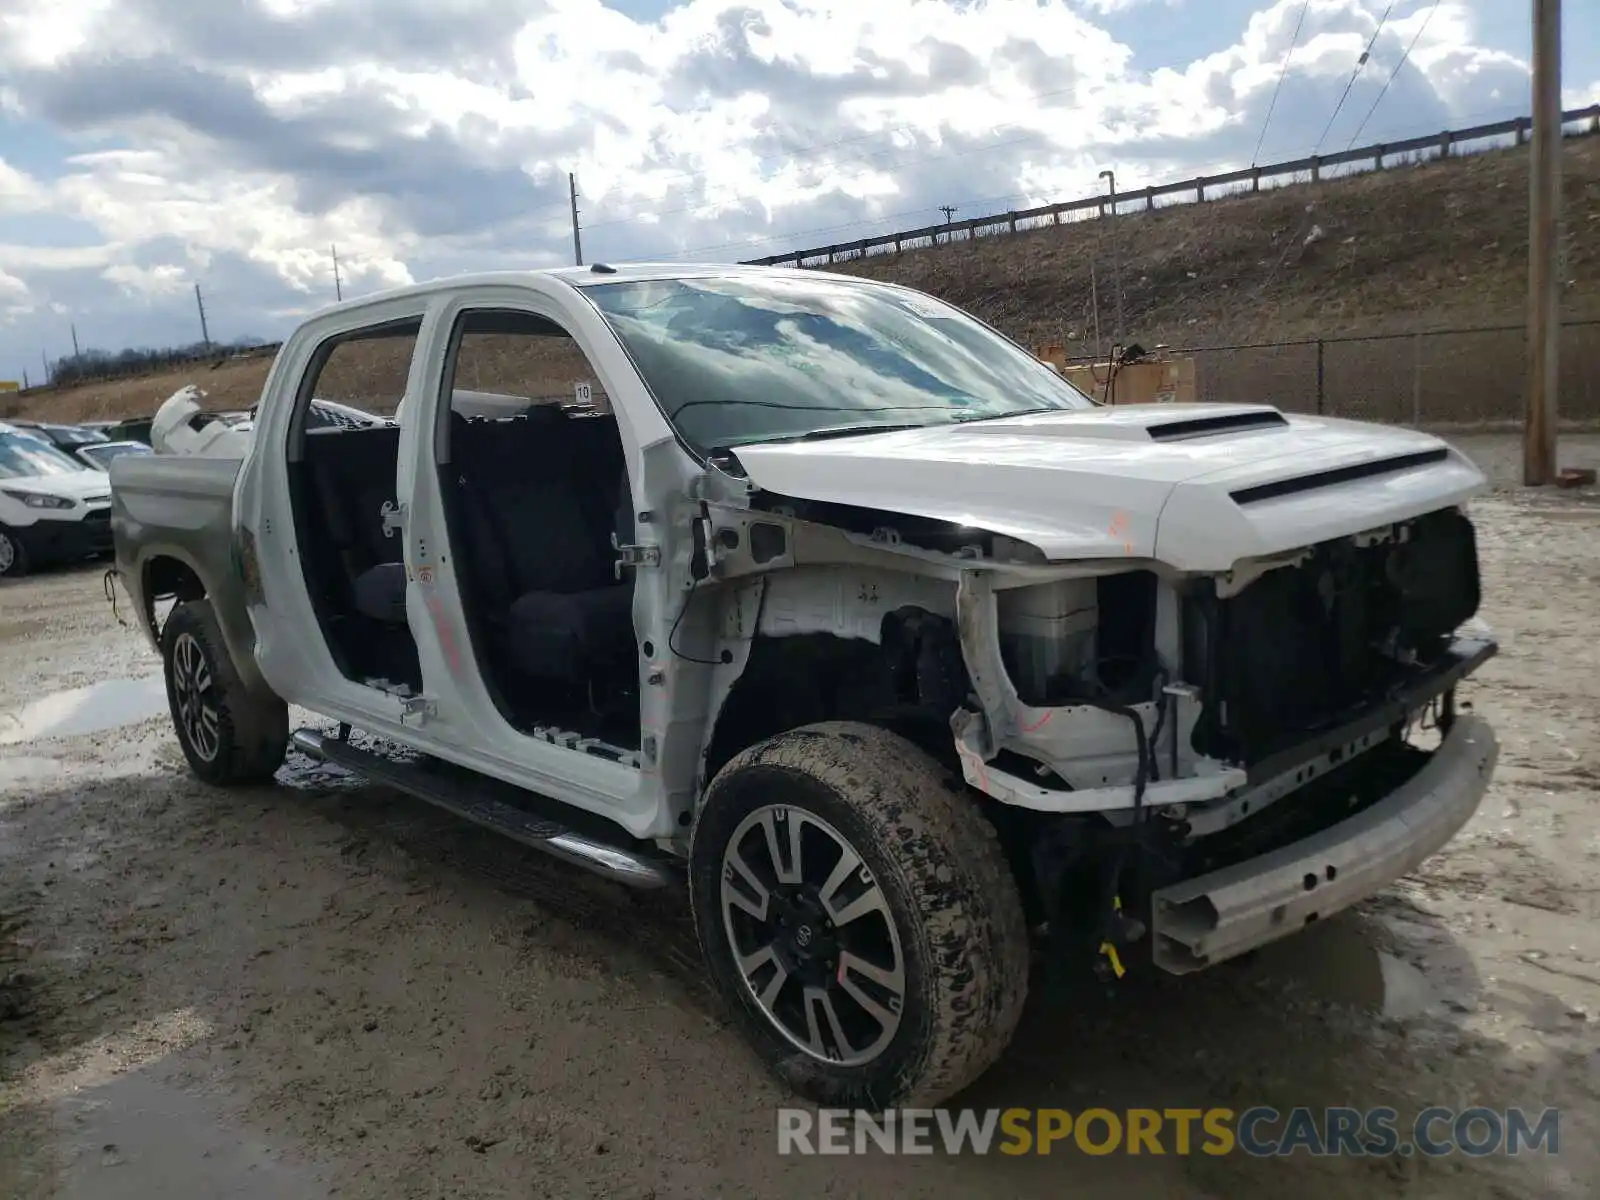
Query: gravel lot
{"x": 320, "y": 989}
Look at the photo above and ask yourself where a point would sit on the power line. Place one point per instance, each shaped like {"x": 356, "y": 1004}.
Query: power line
{"x": 1287, "y": 55}
{"x": 1415, "y": 38}
{"x": 1360, "y": 62}
{"x": 806, "y": 152}
{"x": 971, "y": 204}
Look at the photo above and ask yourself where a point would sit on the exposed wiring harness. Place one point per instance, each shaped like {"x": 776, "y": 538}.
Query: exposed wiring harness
{"x": 672, "y": 634}
{"x": 1146, "y": 771}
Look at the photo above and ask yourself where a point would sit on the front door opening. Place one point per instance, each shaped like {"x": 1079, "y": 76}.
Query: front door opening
{"x": 536, "y": 495}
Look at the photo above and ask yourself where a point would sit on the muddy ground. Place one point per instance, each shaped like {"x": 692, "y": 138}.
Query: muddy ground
{"x": 323, "y": 989}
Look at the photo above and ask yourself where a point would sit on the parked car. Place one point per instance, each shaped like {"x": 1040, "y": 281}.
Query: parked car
{"x": 134, "y": 429}
{"x": 63, "y": 437}
{"x": 99, "y": 454}
{"x": 828, "y": 600}
{"x": 53, "y": 508}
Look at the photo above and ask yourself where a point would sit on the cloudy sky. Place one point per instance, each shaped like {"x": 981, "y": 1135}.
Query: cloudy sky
{"x": 149, "y": 145}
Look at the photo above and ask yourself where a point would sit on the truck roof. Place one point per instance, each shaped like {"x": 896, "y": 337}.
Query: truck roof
{"x": 586, "y": 276}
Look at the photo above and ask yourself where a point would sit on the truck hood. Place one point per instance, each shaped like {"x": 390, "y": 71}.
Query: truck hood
{"x": 1196, "y": 486}
{"x": 86, "y": 486}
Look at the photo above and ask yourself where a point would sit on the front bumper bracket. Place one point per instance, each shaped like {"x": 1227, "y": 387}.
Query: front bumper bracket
{"x": 1213, "y": 917}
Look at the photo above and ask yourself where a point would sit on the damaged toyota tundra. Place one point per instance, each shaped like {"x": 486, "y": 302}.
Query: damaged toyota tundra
{"x": 924, "y": 672}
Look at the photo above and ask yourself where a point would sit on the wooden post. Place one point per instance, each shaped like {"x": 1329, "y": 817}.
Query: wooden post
{"x": 1544, "y": 248}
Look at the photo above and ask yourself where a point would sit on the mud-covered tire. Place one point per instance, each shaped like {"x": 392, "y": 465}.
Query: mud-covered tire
{"x": 13, "y": 556}
{"x": 230, "y": 736}
{"x": 962, "y": 936}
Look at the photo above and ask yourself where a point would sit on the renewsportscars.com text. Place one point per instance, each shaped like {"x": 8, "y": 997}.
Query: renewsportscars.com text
{"x": 1261, "y": 1132}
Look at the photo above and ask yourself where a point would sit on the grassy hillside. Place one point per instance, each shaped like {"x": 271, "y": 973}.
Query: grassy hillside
{"x": 1424, "y": 247}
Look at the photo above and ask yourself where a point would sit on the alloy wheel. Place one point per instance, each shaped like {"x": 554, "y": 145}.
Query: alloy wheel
{"x": 812, "y": 935}
{"x": 193, "y": 690}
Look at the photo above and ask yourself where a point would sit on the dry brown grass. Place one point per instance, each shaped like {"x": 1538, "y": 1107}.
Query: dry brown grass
{"x": 1426, "y": 247}
{"x": 1432, "y": 246}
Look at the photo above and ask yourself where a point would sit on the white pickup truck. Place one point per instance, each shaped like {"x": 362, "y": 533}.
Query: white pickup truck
{"x": 824, "y": 597}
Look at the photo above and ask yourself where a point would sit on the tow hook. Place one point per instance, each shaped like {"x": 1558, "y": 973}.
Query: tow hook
{"x": 1124, "y": 931}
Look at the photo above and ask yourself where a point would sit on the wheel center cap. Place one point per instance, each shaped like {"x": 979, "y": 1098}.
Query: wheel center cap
{"x": 802, "y": 936}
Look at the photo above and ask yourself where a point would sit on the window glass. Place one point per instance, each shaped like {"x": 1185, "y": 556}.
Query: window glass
{"x": 756, "y": 358}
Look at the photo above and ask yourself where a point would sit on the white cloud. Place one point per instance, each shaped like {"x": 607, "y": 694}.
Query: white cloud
{"x": 19, "y": 193}
{"x": 424, "y": 136}
{"x": 163, "y": 280}
{"x": 15, "y": 298}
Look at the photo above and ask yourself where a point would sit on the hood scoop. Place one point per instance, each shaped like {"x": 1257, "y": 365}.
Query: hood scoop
{"x": 1320, "y": 479}
{"x": 1208, "y": 426}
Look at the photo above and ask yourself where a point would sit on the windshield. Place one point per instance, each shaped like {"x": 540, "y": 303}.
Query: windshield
{"x": 69, "y": 435}
{"x": 105, "y": 453}
{"x": 754, "y": 359}
{"x": 23, "y": 455}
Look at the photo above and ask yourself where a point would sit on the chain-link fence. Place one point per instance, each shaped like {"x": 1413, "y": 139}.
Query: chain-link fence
{"x": 1453, "y": 377}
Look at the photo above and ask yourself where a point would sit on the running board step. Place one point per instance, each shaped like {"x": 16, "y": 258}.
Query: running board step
{"x": 475, "y": 801}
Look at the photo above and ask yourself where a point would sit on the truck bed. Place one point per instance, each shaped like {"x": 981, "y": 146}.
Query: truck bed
{"x": 172, "y": 519}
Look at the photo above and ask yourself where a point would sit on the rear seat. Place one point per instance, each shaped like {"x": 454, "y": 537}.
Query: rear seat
{"x": 353, "y": 471}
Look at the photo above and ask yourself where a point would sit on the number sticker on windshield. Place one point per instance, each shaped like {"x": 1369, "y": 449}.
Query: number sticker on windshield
{"x": 926, "y": 307}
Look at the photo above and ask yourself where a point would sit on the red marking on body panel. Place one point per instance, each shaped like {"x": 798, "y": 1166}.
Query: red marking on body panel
{"x": 1040, "y": 723}
{"x": 447, "y": 639}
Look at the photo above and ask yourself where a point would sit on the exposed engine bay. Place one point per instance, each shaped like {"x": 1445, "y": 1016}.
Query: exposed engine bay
{"x": 1307, "y": 646}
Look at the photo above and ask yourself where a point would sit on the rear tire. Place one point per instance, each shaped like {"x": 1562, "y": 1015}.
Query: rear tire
{"x": 897, "y": 928}
{"x": 13, "y": 558}
{"x": 231, "y": 736}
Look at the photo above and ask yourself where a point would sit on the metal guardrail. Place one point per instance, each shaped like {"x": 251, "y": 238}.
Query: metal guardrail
{"x": 1007, "y": 222}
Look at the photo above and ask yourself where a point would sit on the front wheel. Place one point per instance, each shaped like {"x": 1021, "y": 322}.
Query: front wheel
{"x": 13, "y": 559}
{"x": 231, "y": 736}
{"x": 858, "y": 916}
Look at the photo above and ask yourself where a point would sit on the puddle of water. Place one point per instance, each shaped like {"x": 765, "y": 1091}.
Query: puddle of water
{"x": 141, "y": 1135}
{"x": 1406, "y": 990}
{"x": 93, "y": 709}
{"x": 23, "y": 768}
{"x": 1337, "y": 961}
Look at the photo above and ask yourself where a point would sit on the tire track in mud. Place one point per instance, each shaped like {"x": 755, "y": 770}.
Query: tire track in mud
{"x": 655, "y": 928}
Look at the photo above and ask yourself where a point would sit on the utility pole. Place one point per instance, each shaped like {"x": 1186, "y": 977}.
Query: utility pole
{"x": 1544, "y": 249}
{"x": 949, "y": 211}
{"x": 205, "y": 334}
{"x": 338, "y": 288}
{"x": 1116, "y": 258}
{"x": 76, "y": 353}
{"x": 45, "y": 359}
{"x": 577, "y": 240}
